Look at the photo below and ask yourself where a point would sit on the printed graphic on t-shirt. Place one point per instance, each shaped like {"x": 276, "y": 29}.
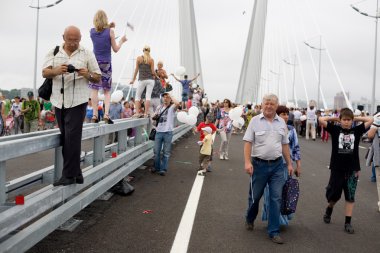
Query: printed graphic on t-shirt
{"x": 346, "y": 143}
{"x": 164, "y": 116}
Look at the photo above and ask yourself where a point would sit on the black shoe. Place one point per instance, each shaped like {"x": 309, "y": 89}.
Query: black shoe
{"x": 327, "y": 218}
{"x": 162, "y": 173}
{"x": 79, "y": 180}
{"x": 249, "y": 225}
{"x": 348, "y": 228}
{"x": 277, "y": 239}
{"x": 65, "y": 181}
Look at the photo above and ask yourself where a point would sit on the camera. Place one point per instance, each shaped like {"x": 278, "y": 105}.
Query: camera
{"x": 71, "y": 68}
{"x": 155, "y": 117}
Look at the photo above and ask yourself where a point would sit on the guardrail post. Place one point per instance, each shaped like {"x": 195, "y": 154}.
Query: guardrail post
{"x": 58, "y": 163}
{"x": 122, "y": 141}
{"x": 138, "y": 137}
{"x": 3, "y": 188}
{"x": 99, "y": 150}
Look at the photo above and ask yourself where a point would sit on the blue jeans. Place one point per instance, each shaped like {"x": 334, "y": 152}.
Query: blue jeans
{"x": 162, "y": 141}
{"x": 271, "y": 173}
{"x": 373, "y": 177}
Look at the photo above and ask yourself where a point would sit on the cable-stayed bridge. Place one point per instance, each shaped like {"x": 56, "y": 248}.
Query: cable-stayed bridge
{"x": 151, "y": 220}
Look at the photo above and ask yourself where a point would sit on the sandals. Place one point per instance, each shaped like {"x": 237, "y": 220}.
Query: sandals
{"x": 107, "y": 119}
{"x": 94, "y": 119}
{"x": 137, "y": 115}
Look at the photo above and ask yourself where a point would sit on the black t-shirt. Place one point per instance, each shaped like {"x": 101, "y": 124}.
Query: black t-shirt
{"x": 345, "y": 143}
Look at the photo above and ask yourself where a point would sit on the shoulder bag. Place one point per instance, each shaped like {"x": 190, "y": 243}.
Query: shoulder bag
{"x": 45, "y": 89}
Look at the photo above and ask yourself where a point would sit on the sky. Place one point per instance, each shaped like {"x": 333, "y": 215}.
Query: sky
{"x": 222, "y": 27}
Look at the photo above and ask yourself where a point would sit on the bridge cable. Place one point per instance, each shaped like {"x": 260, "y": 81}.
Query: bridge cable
{"x": 295, "y": 6}
{"x": 329, "y": 56}
{"x": 299, "y": 57}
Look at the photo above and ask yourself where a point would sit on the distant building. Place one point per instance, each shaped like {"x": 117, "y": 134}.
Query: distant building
{"x": 339, "y": 101}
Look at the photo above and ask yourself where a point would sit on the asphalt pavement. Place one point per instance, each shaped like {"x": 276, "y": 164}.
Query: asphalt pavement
{"x": 147, "y": 220}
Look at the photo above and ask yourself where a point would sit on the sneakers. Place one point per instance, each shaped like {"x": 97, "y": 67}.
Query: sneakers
{"x": 249, "y": 225}
{"x": 209, "y": 169}
{"x": 201, "y": 173}
{"x": 348, "y": 228}
{"x": 225, "y": 157}
{"x": 221, "y": 157}
{"x": 277, "y": 239}
{"x": 327, "y": 218}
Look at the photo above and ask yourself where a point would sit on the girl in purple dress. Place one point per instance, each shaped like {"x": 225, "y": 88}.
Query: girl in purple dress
{"x": 103, "y": 39}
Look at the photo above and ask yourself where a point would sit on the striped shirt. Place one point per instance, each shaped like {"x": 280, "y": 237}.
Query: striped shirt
{"x": 79, "y": 93}
{"x": 266, "y": 137}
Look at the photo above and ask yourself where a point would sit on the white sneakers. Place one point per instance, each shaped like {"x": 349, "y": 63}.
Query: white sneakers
{"x": 223, "y": 157}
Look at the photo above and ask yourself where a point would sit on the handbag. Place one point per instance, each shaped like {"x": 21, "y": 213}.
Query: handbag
{"x": 46, "y": 88}
{"x": 152, "y": 134}
{"x": 290, "y": 195}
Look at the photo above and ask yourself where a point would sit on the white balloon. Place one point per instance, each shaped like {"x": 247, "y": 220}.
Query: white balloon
{"x": 194, "y": 85}
{"x": 180, "y": 71}
{"x": 193, "y": 111}
{"x": 182, "y": 116}
{"x": 235, "y": 113}
{"x": 235, "y": 124}
{"x": 232, "y": 114}
{"x": 191, "y": 119}
{"x": 241, "y": 121}
{"x": 116, "y": 96}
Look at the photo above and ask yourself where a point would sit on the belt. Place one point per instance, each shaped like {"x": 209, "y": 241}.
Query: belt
{"x": 267, "y": 161}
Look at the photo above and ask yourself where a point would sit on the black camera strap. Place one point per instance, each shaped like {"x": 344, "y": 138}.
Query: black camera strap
{"x": 63, "y": 92}
{"x": 159, "y": 116}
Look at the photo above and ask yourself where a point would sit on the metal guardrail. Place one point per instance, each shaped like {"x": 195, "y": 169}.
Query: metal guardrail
{"x": 65, "y": 201}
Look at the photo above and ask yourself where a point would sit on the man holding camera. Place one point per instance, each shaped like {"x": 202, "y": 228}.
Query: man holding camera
{"x": 71, "y": 69}
{"x": 164, "y": 116}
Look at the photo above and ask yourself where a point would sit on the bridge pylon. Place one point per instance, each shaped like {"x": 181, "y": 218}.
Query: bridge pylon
{"x": 250, "y": 74}
{"x": 189, "y": 48}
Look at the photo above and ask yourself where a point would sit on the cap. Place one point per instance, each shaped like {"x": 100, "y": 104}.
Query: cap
{"x": 30, "y": 94}
{"x": 207, "y": 129}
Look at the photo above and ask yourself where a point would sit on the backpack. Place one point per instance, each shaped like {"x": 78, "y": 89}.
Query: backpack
{"x": 290, "y": 195}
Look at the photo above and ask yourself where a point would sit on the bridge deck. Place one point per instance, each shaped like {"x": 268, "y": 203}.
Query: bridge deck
{"x": 119, "y": 225}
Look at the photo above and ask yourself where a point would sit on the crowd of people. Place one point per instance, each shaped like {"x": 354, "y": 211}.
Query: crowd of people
{"x": 271, "y": 131}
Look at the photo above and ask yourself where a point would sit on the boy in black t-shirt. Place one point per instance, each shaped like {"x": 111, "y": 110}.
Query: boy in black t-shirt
{"x": 344, "y": 162}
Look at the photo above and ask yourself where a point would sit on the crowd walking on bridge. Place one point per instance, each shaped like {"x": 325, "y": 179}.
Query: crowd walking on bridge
{"x": 271, "y": 131}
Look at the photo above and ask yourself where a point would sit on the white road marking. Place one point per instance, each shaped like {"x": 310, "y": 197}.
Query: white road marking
{"x": 182, "y": 238}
